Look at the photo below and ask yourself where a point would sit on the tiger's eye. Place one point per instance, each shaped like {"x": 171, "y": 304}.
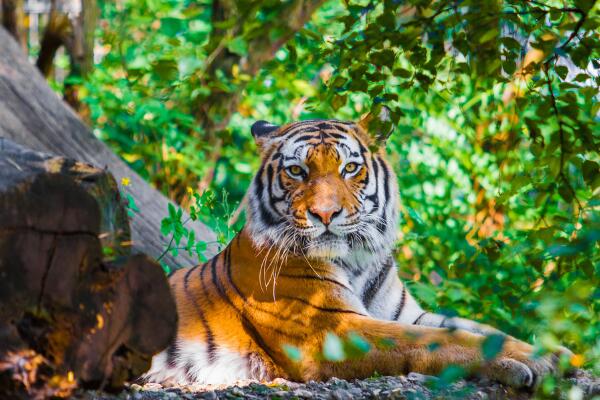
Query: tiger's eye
{"x": 350, "y": 167}
{"x": 295, "y": 170}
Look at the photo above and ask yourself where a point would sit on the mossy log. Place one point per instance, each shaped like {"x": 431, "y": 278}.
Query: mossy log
{"x": 75, "y": 307}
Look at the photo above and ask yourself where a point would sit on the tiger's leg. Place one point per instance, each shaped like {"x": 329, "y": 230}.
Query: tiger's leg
{"x": 387, "y": 297}
{"x": 392, "y": 301}
{"x": 427, "y": 350}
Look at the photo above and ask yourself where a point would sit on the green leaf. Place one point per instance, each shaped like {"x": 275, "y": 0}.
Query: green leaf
{"x": 238, "y": 46}
{"x": 131, "y": 203}
{"x": 492, "y": 346}
{"x": 166, "y": 69}
{"x": 561, "y": 71}
{"x": 338, "y": 101}
{"x": 172, "y": 26}
{"x": 511, "y": 43}
{"x": 292, "y": 352}
{"x": 402, "y": 73}
{"x": 452, "y": 373}
{"x": 565, "y": 192}
{"x": 590, "y": 171}
{"x": 200, "y": 246}
{"x": 489, "y": 35}
{"x": 333, "y": 348}
{"x": 356, "y": 345}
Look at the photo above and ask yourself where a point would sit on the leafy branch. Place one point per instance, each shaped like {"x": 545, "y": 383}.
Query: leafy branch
{"x": 561, "y": 133}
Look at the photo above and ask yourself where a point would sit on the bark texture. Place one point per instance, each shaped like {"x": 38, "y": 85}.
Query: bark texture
{"x": 71, "y": 311}
{"x": 32, "y": 114}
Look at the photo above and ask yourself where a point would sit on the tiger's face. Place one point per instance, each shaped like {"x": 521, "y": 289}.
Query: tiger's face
{"x": 321, "y": 192}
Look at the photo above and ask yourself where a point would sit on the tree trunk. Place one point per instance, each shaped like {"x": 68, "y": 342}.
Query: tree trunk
{"x": 12, "y": 19}
{"x": 32, "y": 115}
{"x": 75, "y": 307}
{"x": 80, "y": 46}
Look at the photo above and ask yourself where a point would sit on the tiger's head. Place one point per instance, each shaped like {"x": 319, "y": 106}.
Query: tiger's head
{"x": 323, "y": 190}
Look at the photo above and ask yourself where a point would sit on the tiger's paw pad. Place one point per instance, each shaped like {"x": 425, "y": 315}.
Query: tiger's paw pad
{"x": 526, "y": 373}
{"x": 512, "y": 373}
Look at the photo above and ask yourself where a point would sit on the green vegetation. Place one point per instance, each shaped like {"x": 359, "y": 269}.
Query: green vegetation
{"x": 496, "y": 110}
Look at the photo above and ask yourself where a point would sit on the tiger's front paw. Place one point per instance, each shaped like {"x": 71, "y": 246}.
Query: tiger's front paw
{"x": 518, "y": 367}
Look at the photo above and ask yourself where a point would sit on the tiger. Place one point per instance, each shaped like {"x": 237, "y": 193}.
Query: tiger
{"x": 315, "y": 259}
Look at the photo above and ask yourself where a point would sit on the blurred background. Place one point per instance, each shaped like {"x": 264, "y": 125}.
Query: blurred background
{"x": 495, "y": 105}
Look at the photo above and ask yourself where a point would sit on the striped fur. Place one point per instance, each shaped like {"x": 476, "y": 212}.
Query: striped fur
{"x": 315, "y": 257}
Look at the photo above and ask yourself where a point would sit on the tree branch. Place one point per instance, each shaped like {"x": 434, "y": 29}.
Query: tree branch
{"x": 561, "y": 132}
{"x": 54, "y": 37}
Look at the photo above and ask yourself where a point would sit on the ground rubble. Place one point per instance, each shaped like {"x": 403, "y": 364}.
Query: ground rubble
{"x": 411, "y": 387}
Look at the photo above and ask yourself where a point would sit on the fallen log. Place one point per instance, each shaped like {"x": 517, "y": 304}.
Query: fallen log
{"x": 33, "y": 115}
{"x": 75, "y": 307}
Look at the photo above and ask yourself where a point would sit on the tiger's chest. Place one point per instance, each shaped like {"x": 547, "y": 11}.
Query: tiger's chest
{"x": 194, "y": 363}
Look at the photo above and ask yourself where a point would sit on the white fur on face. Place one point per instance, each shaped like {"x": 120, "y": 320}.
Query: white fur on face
{"x": 372, "y": 230}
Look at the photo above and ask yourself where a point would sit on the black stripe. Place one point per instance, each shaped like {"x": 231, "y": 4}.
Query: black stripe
{"x": 265, "y": 214}
{"x": 314, "y": 125}
{"x": 210, "y": 340}
{"x": 304, "y": 138}
{"x": 254, "y": 334}
{"x": 363, "y": 148}
{"x": 336, "y": 136}
{"x": 386, "y": 178}
{"x": 315, "y": 278}
{"x": 215, "y": 280}
{"x": 204, "y": 288}
{"x": 374, "y": 198}
{"x": 419, "y": 318}
{"x": 248, "y": 326}
{"x": 229, "y": 275}
{"x": 355, "y": 272}
{"x": 373, "y": 285}
{"x": 321, "y": 308}
{"x": 400, "y": 306}
{"x": 443, "y": 322}
{"x": 172, "y": 353}
{"x": 272, "y": 199}
{"x": 298, "y": 127}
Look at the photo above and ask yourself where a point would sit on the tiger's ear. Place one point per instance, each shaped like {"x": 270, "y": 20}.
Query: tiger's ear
{"x": 378, "y": 123}
{"x": 262, "y": 131}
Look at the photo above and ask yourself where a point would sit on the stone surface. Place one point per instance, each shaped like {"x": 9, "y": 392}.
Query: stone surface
{"x": 386, "y": 387}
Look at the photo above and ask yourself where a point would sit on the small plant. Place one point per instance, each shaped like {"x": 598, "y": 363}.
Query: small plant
{"x": 203, "y": 208}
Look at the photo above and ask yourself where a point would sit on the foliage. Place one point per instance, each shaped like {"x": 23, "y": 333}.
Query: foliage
{"x": 495, "y": 105}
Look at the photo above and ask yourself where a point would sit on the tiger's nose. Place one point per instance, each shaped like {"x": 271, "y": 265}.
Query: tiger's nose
{"x": 324, "y": 213}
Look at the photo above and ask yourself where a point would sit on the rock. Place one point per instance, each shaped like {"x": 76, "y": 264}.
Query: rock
{"x": 340, "y": 394}
{"x": 302, "y": 393}
{"x": 153, "y": 387}
{"x": 237, "y": 391}
{"x": 135, "y": 387}
{"x": 416, "y": 377}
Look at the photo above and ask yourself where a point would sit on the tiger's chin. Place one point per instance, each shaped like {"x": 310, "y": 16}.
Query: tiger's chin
{"x": 328, "y": 248}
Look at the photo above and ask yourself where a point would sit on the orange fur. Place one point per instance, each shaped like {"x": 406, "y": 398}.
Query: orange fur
{"x": 248, "y": 319}
{"x": 225, "y": 302}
